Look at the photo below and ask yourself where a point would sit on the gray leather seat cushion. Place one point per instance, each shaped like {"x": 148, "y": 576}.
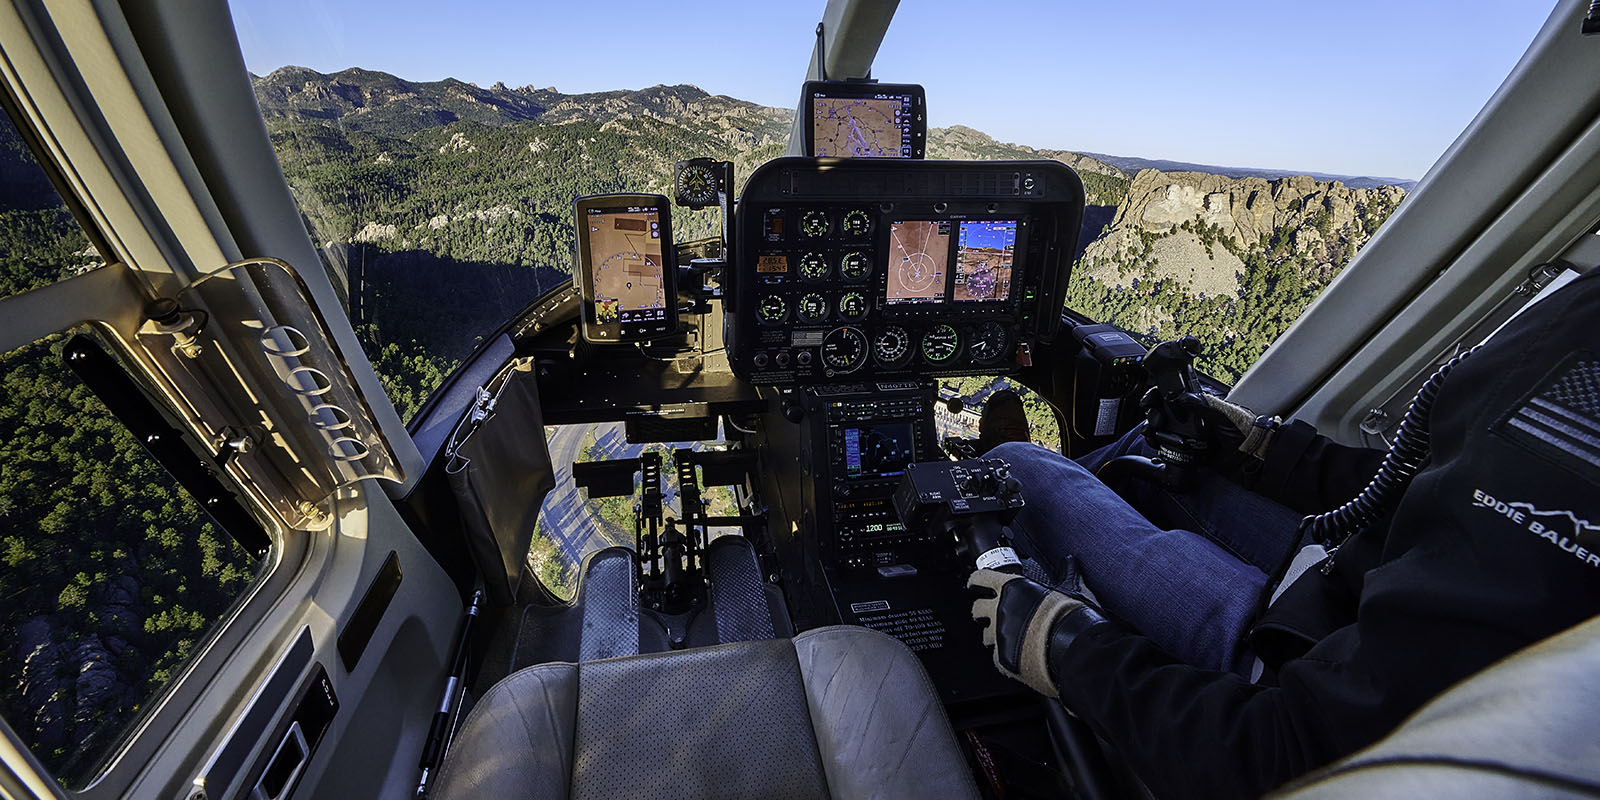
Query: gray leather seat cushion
{"x": 1529, "y": 726}
{"x": 843, "y": 713}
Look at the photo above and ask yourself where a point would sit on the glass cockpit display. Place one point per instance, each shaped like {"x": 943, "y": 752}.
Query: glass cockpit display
{"x": 878, "y": 451}
{"x": 626, "y": 267}
{"x": 864, "y": 120}
{"x": 919, "y": 257}
{"x": 984, "y": 254}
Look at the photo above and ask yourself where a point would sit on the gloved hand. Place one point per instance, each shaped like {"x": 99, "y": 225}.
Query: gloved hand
{"x": 1237, "y": 429}
{"x": 1019, "y": 618}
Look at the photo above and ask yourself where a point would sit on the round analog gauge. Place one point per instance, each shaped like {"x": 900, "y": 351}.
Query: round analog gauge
{"x": 813, "y": 266}
{"x": 815, "y": 224}
{"x": 988, "y": 343}
{"x": 855, "y": 265}
{"x": 853, "y": 306}
{"x": 696, "y": 185}
{"x": 844, "y": 350}
{"x": 892, "y": 346}
{"x": 856, "y": 223}
{"x": 772, "y": 309}
{"x": 813, "y": 307}
{"x": 940, "y": 344}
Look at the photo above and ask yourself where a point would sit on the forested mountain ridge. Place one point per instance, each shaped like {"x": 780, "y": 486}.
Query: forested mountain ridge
{"x": 377, "y": 102}
{"x": 419, "y": 183}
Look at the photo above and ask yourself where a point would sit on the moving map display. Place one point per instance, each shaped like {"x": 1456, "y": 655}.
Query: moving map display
{"x": 878, "y": 451}
{"x": 865, "y": 121}
{"x": 984, "y": 255}
{"x": 625, "y": 257}
{"x": 919, "y": 257}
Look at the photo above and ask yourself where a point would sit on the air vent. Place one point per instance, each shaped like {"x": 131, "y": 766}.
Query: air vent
{"x": 1591, "y": 21}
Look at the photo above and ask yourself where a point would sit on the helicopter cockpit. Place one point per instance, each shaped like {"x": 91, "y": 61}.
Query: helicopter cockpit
{"x": 697, "y": 519}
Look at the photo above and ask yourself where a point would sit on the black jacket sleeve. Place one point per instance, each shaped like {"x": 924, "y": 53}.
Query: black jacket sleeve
{"x": 1308, "y": 472}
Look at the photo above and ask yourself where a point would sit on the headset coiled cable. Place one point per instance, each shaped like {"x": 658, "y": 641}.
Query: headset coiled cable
{"x": 1406, "y": 457}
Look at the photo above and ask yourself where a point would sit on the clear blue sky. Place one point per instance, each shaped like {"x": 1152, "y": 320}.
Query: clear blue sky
{"x": 1367, "y": 87}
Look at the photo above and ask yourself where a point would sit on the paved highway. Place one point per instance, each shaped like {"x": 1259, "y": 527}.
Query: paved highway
{"x": 567, "y": 515}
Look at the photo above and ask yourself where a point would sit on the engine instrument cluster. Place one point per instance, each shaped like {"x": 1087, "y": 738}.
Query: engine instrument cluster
{"x": 848, "y": 269}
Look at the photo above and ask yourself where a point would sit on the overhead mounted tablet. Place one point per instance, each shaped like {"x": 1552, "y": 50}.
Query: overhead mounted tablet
{"x": 847, "y": 119}
{"x": 627, "y": 269}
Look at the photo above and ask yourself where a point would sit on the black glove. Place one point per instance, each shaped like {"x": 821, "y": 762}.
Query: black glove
{"x": 1238, "y": 432}
{"x": 1020, "y": 618}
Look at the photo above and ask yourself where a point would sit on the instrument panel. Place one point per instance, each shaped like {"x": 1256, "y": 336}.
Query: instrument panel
{"x": 850, "y": 269}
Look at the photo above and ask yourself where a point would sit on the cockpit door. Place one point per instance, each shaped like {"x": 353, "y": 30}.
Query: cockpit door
{"x": 216, "y": 339}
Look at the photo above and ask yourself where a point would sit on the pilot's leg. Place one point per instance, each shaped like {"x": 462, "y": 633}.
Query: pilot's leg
{"x": 1244, "y": 523}
{"x": 1186, "y": 592}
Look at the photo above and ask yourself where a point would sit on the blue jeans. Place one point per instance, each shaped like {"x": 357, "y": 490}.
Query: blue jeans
{"x": 1188, "y": 572}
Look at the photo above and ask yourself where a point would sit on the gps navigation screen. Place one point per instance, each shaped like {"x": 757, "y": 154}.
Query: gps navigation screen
{"x": 880, "y": 126}
{"x": 919, "y": 257}
{"x": 983, "y": 260}
{"x": 878, "y": 451}
{"x": 625, "y": 255}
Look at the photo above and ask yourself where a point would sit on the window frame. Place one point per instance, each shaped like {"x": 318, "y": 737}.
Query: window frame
{"x": 107, "y": 300}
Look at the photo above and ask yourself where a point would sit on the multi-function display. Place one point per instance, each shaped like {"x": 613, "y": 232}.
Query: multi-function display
{"x": 919, "y": 258}
{"x": 851, "y": 120}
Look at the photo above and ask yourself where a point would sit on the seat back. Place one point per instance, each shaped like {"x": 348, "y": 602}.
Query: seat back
{"x": 1528, "y": 726}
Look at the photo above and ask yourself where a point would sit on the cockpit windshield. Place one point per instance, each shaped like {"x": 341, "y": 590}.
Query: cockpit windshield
{"x": 436, "y": 157}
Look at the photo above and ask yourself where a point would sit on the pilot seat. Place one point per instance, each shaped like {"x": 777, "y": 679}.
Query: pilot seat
{"x": 838, "y": 712}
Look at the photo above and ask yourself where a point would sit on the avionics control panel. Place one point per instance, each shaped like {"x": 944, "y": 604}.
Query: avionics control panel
{"x": 862, "y": 437}
{"x": 850, "y": 270}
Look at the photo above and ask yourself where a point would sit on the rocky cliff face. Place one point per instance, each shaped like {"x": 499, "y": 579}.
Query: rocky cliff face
{"x": 1233, "y": 261}
{"x": 1190, "y": 226}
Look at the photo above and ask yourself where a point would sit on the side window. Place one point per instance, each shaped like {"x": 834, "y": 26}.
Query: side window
{"x": 40, "y": 242}
{"x": 111, "y": 575}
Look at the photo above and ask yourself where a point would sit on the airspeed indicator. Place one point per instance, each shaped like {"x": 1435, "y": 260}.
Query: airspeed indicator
{"x": 892, "y": 346}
